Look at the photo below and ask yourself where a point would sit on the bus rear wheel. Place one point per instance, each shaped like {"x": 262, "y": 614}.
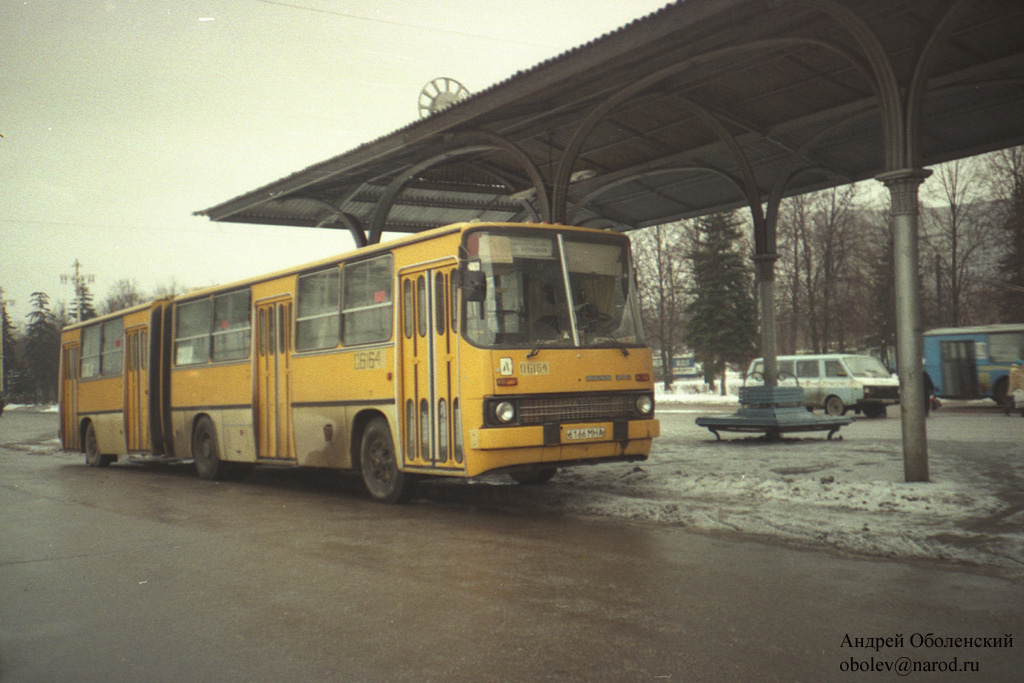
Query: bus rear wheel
{"x": 206, "y": 452}
{"x": 93, "y": 457}
{"x": 379, "y": 465}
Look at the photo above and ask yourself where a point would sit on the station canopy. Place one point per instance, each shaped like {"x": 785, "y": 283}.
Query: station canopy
{"x": 705, "y": 105}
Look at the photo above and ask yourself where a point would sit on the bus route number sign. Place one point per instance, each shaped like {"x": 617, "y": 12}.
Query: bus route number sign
{"x": 369, "y": 360}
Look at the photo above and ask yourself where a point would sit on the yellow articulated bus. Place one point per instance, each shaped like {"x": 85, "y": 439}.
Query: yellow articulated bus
{"x": 469, "y": 349}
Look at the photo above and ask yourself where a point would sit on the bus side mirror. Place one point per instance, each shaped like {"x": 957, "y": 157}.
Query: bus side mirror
{"x": 473, "y": 285}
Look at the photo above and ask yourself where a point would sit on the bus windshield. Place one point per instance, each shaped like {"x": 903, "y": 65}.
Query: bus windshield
{"x": 557, "y": 291}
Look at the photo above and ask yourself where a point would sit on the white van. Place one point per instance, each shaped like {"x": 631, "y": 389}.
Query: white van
{"x": 836, "y": 382}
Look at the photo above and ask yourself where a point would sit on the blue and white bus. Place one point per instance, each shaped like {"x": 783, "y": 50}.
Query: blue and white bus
{"x": 972, "y": 362}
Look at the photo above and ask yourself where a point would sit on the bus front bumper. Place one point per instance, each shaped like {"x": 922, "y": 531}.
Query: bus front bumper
{"x": 566, "y": 435}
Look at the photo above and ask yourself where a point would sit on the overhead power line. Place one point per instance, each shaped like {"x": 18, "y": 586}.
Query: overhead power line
{"x": 392, "y": 22}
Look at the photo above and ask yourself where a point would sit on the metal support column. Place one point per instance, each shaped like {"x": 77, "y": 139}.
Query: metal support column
{"x": 765, "y": 270}
{"x": 903, "y": 187}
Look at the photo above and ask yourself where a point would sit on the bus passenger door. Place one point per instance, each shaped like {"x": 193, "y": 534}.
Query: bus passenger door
{"x": 69, "y": 397}
{"x": 959, "y": 369}
{"x": 136, "y": 390}
{"x": 428, "y": 367}
{"x": 272, "y": 376}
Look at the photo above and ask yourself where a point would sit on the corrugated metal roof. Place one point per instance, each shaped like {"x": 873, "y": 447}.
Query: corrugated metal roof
{"x": 791, "y": 82}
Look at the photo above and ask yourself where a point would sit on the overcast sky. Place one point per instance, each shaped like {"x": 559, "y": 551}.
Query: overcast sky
{"x": 121, "y": 118}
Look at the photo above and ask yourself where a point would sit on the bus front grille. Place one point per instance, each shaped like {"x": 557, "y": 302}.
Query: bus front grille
{"x": 591, "y": 407}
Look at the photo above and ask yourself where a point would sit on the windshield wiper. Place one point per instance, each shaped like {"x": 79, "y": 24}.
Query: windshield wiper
{"x": 540, "y": 343}
{"x": 621, "y": 346}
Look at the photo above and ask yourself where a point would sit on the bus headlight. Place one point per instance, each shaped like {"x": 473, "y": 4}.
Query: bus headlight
{"x": 505, "y": 411}
{"x": 644, "y": 404}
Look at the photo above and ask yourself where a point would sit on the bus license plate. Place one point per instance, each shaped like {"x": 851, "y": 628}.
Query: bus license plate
{"x": 587, "y": 433}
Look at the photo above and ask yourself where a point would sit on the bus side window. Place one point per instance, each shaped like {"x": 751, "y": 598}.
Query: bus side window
{"x": 192, "y": 337}
{"x": 318, "y": 310}
{"x": 284, "y": 320}
{"x": 407, "y": 308}
{"x": 440, "y": 310}
{"x": 366, "y": 301}
{"x": 262, "y": 323}
{"x": 91, "y": 352}
{"x": 455, "y": 300}
{"x": 231, "y": 328}
{"x": 112, "y": 355}
{"x": 421, "y": 306}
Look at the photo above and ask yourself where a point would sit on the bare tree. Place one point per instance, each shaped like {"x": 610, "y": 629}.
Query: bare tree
{"x": 1006, "y": 186}
{"x": 791, "y": 236}
{"x": 168, "y": 289}
{"x": 659, "y": 253}
{"x": 957, "y": 240}
{"x": 123, "y": 294}
{"x": 877, "y": 277}
{"x": 817, "y": 268}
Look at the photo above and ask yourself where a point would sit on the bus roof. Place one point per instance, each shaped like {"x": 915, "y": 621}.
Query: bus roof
{"x": 383, "y": 247}
{"x": 360, "y": 252}
{"x": 825, "y": 356}
{"x": 977, "y": 329}
{"x": 118, "y": 314}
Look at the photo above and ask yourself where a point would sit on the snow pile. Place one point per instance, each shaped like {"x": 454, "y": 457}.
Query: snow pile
{"x": 35, "y": 408}
{"x": 845, "y": 494}
{"x": 794, "y": 492}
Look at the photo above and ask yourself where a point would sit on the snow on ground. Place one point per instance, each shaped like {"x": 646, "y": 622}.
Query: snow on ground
{"x": 849, "y": 498}
{"x": 54, "y": 408}
{"x": 846, "y": 494}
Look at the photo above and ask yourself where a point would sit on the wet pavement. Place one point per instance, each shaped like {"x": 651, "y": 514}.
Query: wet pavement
{"x": 148, "y": 573}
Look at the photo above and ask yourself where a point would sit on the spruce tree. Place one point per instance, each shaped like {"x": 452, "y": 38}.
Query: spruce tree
{"x": 10, "y": 359}
{"x": 722, "y": 314}
{"x": 41, "y": 356}
{"x": 82, "y": 308}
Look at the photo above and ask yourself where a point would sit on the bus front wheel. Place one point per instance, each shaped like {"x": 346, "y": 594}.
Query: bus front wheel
{"x": 379, "y": 465}
{"x": 93, "y": 457}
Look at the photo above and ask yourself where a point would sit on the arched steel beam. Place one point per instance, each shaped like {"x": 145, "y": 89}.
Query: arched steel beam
{"x": 490, "y": 142}
{"x": 524, "y": 201}
{"x": 572, "y": 150}
{"x": 386, "y": 200}
{"x": 790, "y": 171}
{"x": 939, "y": 30}
{"x": 620, "y": 226}
{"x": 536, "y": 178}
{"x": 571, "y": 214}
{"x": 886, "y": 83}
{"x": 350, "y": 222}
